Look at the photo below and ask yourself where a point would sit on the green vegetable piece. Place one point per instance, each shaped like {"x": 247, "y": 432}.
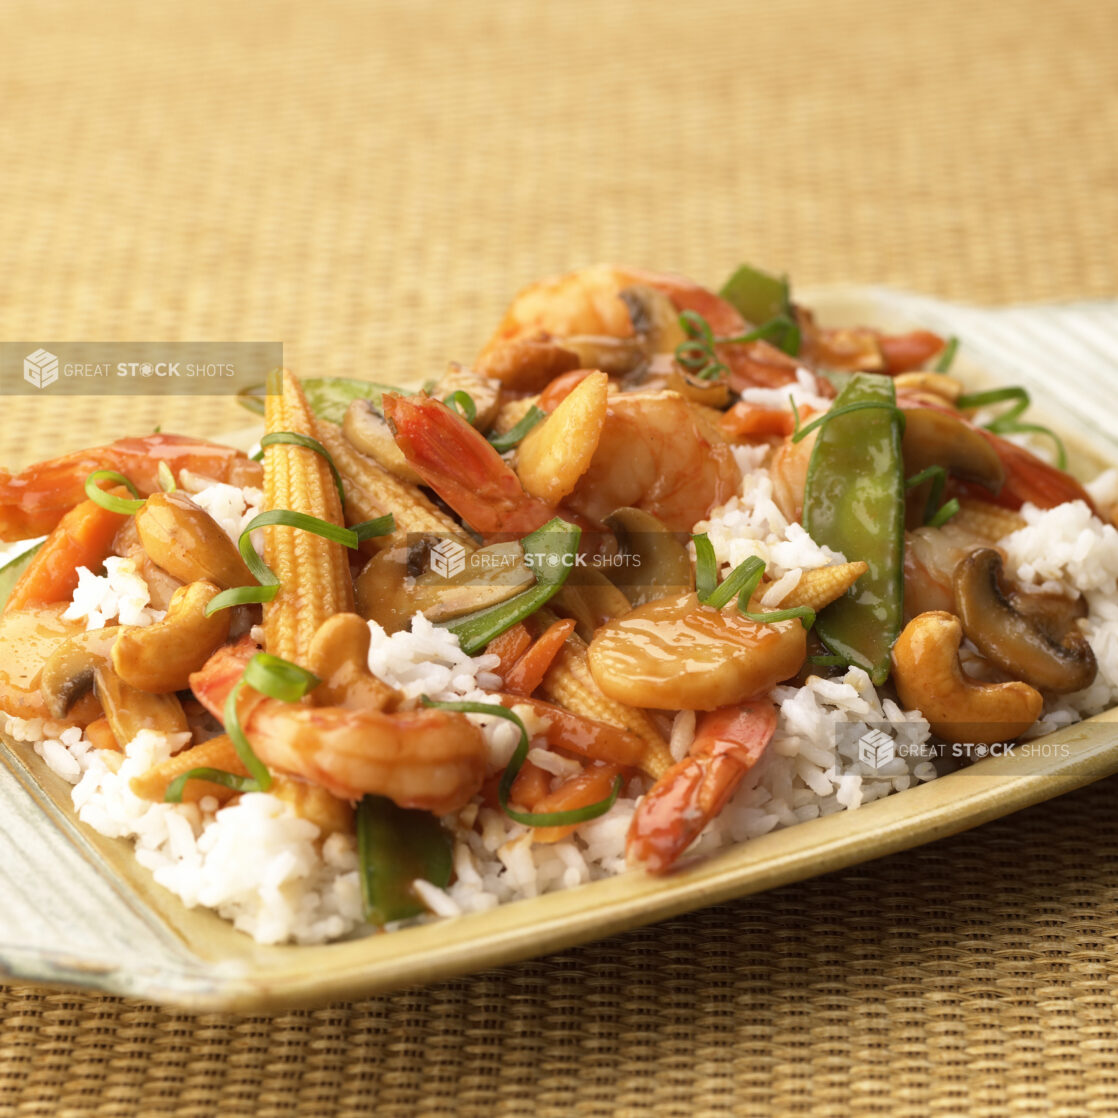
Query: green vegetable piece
{"x": 12, "y": 569}
{"x": 756, "y": 295}
{"x": 396, "y": 846}
{"x": 854, "y": 503}
{"x": 515, "y": 434}
{"x": 328, "y": 396}
{"x": 551, "y": 551}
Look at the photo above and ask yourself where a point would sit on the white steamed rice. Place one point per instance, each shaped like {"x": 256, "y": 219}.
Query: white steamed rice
{"x": 258, "y": 864}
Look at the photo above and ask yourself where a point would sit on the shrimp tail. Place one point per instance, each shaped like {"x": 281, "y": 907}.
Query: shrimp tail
{"x": 460, "y": 465}
{"x": 728, "y": 743}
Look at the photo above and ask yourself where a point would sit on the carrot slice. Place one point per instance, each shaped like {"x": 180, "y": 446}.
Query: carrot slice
{"x": 82, "y": 538}
{"x": 531, "y": 785}
{"x": 590, "y": 786}
{"x": 509, "y": 646}
{"x": 528, "y": 671}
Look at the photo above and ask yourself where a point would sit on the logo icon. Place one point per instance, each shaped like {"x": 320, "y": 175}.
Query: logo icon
{"x": 40, "y": 368}
{"x": 447, "y": 558}
{"x": 876, "y": 749}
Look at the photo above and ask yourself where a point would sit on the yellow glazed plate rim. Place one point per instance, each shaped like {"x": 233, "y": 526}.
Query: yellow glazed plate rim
{"x": 83, "y": 913}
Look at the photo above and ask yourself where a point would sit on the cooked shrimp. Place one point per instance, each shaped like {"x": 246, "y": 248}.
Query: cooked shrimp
{"x": 34, "y": 501}
{"x": 598, "y": 303}
{"x": 429, "y": 759}
{"x": 930, "y": 558}
{"x": 728, "y": 743}
{"x": 659, "y": 453}
{"x": 457, "y": 462}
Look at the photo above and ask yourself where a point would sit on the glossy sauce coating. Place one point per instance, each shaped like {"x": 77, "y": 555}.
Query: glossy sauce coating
{"x": 676, "y": 654}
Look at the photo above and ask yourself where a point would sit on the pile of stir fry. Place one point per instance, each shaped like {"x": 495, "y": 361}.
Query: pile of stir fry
{"x": 541, "y": 506}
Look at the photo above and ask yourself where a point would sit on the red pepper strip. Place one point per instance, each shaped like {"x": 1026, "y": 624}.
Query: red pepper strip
{"x": 585, "y": 737}
{"x": 903, "y": 353}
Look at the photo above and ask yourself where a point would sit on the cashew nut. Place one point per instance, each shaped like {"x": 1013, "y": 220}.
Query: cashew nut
{"x": 929, "y": 678}
{"x": 339, "y": 656}
{"x": 159, "y": 658}
{"x": 188, "y": 543}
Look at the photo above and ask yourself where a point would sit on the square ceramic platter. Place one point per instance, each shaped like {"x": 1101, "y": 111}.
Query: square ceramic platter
{"x": 78, "y": 911}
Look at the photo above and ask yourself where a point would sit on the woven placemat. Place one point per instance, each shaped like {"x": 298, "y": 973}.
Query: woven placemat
{"x": 368, "y": 183}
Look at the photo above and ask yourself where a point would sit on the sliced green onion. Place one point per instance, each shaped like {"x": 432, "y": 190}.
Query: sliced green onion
{"x": 242, "y": 596}
{"x": 739, "y": 583}
{"x": 276, "y": 678}
{"x": 937, "y": 475}
{"x": 256, "y": 767}
{"x": 166, "y": 478}
{"x": 462, "y": 402}
{"x": 995, "y": 396}
{"x": 706, "y": 566}
{"x": 828, "y": 661}
{"x": 368, "y": 529}
{"x": 1009, "y": 423}
{"x": 108, "y": 500}
{"x": 173, "y": 795}
{"x": 834, "y": 413}
{"x": 947, "y": 357}
{"x": 783, "y": 330}
{"x": 268, "y": 586}
{"x": 528, "y": 818}
{"x": 293, "y": 438}
{"x": 945, "y": 513}
{"x": 805, "y": 614}
{"x": 553, "y": 548}
{"x": 513, "y": 435}
{"x": 397, "y": 846}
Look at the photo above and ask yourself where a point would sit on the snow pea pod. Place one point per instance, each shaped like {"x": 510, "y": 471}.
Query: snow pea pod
{"x": 854, "y": 502}
{"x": 397, "y": 846}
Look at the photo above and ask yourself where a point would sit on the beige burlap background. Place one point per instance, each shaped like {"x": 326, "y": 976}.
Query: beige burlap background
{"x": 368, "y": 183}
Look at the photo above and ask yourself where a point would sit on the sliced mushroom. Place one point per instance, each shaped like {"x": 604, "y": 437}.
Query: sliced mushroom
{"x": 160, "y": 658}
{"x": 187, "y": 542}
{"x": 937, "y": 438}
{"x": 1015, "y": 643}
{"x": 654, "y": 317}
{"x": 68, "y": 672}
{"x": 405, "y": 579}
{"x": 652, "y": 562}
{"x": 130, "y": 710}
{"x": 592, "y": 601}
{"x": 368, "y": 431}
{"x": 528, "y": 364}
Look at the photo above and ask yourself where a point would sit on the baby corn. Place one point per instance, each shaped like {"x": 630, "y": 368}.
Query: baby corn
{"x": 820, "y": 587}
{"x": 570, "y": 684}
{"x": 989, "y": 521}
{"x": 371, "y": 491}
{"x": 313, "y": 573}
